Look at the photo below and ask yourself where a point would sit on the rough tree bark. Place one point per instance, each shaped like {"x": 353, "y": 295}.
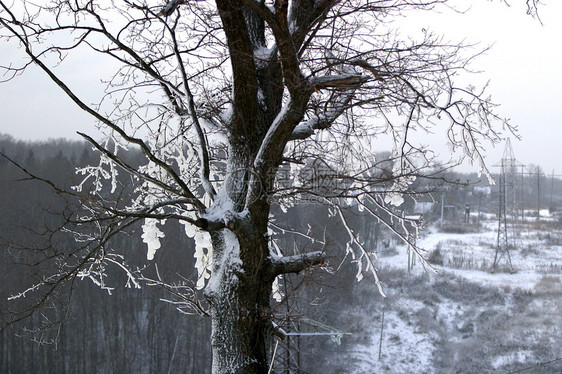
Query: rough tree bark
{"x": 239, "y": 290}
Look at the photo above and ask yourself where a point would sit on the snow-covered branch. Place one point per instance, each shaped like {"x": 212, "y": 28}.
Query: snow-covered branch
{"x": 297, "y": 263}
{"x": 335, "y": 107}
{"x": 170, "y": 7}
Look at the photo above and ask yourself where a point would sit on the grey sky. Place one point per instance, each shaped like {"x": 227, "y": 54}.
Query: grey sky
{"x": 523, "y": 68}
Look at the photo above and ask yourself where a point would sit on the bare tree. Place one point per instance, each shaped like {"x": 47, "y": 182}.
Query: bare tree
{"x": 240, "y": 106}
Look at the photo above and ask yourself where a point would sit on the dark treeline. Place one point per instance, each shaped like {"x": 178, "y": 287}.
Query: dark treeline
{"x": 130, "y": 331}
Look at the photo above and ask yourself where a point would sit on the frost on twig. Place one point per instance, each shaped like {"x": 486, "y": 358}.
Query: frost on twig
{"x": 183, "y": 295}
{"x": 203, "y": 253}
{"x": 151, "y": 236}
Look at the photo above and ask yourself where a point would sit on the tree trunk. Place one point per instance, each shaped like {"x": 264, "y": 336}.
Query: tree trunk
{"x": 239, "y": 297}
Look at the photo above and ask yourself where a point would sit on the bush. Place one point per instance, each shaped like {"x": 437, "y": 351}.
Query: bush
{"x": 435, "y": 256}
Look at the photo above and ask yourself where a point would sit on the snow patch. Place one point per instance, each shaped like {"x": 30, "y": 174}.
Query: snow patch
{"x": 151, "y": 236}
{"x": 397, "y": 334}
{"x": 229, "y": 262}
{"x": 513, "y": 357}
{"x": 203, "y": 253}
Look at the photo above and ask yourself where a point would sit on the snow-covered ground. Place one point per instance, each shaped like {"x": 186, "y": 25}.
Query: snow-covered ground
{"x": 471, "y": 256}
{"x": 462, "y": 317}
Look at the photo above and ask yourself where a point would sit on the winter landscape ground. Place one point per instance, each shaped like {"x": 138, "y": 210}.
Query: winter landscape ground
{"x": 463, "y": 318}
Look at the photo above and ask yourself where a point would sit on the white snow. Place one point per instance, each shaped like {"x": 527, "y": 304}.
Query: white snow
{"x": 203, "y": 253}
{"x": 512, "y": 357}
{"x": 262, "y": 54}
{"x": 229, "y": 262}
{"x": 471, "y": 256}
{"x": 221, "y": 205}
{"x": 397, "y": 334}
{"x": 151, "y": 236}
{"x": 413, "y": 332}
{"x": 277, "y": 292}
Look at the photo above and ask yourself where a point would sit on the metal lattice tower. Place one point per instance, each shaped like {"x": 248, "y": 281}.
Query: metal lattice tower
{"x": 291, "y": 329}
{"x": 509, "y": 166}
{"x": 286, "y": 350}
{"x": 502, "y": 246}
{"x": 287, "y": 343}
{"x": 508, "y": 205}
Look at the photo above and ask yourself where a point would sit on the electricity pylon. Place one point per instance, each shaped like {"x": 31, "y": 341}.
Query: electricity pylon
{"x": 502, "y": 246}
{"x": 507, "y": 204}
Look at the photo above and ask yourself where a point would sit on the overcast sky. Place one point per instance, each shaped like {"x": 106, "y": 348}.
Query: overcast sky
{"x": 524, "y": 68}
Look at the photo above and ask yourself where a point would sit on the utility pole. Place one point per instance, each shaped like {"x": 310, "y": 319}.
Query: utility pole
{"x": 442, "y": 208}
{"x": 537, "y": 172}
{"x": 538, "y": 193}
{"x": 522, "y": 199}
{"x": 479, "y": 211}
{"x": 551, "y": 189}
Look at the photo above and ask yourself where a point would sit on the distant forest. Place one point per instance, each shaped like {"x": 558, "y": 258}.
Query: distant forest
{"x": 132, "y": 330}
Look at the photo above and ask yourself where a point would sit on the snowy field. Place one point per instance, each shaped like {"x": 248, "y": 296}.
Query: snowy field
{"x": 464, "y": 318}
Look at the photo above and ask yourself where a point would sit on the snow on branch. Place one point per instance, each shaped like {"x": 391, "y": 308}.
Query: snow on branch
{"x": 297, "y": 263}
{"x": 402, "y": 235}
{"x": 336, "y": 107}
{"x": 170, "y": 7}
{"x": 363, "y": 253}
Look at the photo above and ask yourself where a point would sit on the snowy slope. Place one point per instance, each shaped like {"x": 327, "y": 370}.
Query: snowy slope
{"x": 464, "y": 318}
